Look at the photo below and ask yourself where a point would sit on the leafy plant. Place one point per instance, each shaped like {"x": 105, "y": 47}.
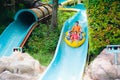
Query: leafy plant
{"x": 104, "y": 24}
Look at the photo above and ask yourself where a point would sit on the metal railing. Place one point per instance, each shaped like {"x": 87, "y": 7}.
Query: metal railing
{"x": 114, "y": 49}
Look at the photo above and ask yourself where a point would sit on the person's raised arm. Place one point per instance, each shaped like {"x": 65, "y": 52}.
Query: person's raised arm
{"x": 72, "y": 28}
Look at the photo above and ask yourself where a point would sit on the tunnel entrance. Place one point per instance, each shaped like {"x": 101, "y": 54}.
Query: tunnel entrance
{"x": 26, "y": 17}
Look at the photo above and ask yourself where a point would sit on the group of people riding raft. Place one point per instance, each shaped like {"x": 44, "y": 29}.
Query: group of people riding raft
{"x": 75, "y": 34}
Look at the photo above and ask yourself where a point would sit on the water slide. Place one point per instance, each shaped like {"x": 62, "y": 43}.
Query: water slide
{"x": 69, "y": 63}
{"x": 18, "y": 31}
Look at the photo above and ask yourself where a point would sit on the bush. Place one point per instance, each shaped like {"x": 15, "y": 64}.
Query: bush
{"x": 104, "y": 24}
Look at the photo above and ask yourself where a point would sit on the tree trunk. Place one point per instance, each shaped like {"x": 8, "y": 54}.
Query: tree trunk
{"x": 54, "y": 15}
{"x": 13, "y": 7}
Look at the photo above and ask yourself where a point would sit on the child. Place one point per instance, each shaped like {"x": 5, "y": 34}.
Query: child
{"x": 69, "y": 35}
{"x": 80, "y": 36}
{"x": 74, "y": 36}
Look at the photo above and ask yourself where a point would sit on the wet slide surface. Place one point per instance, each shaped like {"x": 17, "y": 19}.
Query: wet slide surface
{"x": 68, "y": 63}
{"x": 16, "y": 31}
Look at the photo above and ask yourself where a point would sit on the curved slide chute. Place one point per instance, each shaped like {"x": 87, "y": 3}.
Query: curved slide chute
{"x": 18, "y": 31}
{"x": 69, "y": 63}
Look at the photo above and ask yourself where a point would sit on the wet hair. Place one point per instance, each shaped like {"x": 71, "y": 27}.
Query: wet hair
{"x": 77, "y": 22}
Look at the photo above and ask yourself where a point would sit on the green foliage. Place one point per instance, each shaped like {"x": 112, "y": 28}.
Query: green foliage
{"x": 104, "y": 24}
{"x": 46, "y": 1}
{"x": 42, "y": 43}
{"x": 2, "y": 27}
{"x": 7, "y": 14}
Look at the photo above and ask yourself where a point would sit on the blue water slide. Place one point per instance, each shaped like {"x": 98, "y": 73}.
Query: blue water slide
{"x": 16, "y": 31}
{"x": 69, "y": 63}
{"x": 59, "y": 1}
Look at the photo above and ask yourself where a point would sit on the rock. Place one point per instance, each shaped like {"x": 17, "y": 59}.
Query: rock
{"x": 20, "y": 66}
{"x": 103, "y": 68}
{"x": 9, "y": 76}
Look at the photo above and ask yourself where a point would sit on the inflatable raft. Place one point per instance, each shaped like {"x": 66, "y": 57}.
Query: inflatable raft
{"x": 75, "y": 43}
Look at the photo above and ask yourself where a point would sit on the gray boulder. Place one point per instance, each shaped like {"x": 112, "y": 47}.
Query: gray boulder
{"x": 6, "y": 75}
{"x": 20, "y": 66}
{"x": 103, "y": 68}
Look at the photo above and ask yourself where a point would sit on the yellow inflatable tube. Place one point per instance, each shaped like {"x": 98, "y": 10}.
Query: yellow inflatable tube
{"x": 75, "y": 43}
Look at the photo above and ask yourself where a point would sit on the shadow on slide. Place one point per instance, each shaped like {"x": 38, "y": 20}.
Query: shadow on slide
{"x": 16, "y": 31}
{"x": 68, "y": 63}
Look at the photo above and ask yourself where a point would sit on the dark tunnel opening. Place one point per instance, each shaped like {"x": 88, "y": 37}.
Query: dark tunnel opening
{"x": 26, "y": 18}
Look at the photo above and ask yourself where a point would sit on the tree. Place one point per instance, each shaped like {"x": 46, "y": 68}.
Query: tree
{"x": 54, "y": 15}
{"x": 13, "y": 5}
